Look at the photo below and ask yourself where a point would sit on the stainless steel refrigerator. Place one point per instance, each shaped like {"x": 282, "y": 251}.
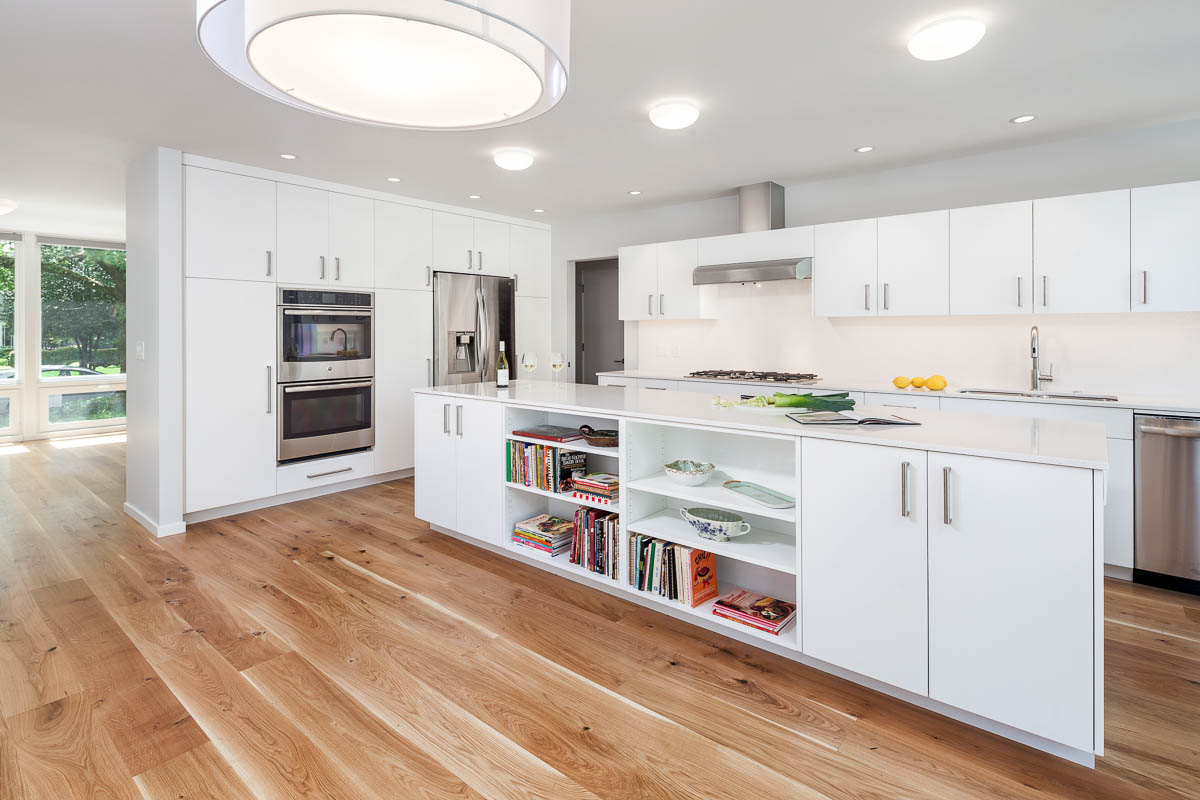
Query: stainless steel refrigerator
{"x": 472, "y": 314}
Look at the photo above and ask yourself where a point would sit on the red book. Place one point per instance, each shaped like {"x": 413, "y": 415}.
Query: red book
{"x": 550, "y": 433}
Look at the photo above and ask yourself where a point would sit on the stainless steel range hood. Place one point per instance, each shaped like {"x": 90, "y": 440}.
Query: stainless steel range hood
{"x": 761, "y": 209}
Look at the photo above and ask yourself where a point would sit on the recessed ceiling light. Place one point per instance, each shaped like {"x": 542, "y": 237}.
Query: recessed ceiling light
{"x": 674, "y": 114}
{"x": 441, "y": 65}
{"x": 7, "y": 206}
{"x": 288, "y": 156}
{"x": 946, "y": 38}
{"x": 539, "y": 211}
{"x": 393, "y": 180}
{"x": 1021, "y": 120}
{"x": 635, "y": 192}
{"x": 866, "y": 148}
{"x": 513, "y": 159}
{"x": 473, "y": 196}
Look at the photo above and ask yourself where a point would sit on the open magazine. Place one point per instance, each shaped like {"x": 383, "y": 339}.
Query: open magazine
{"x": 847, "y": 418}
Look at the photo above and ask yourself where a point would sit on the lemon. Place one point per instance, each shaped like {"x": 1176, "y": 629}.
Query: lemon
{"x": 918, "y": 382}
{"x": 900, "y": 382}
{"x": 935, "y": 382}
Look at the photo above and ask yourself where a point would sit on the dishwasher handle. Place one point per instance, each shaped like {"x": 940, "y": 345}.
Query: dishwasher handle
{"x": 1182, "y": 433}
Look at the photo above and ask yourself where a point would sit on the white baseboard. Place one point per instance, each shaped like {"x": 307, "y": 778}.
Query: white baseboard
{"x": 291, "y": 497}
{"x": 158, "y": 529}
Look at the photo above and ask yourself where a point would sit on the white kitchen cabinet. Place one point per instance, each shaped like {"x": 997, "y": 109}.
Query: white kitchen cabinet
{"x": 403, "y": 247}
{"x": 229, "y": 226}
{"x": 991, "y": 259}
{"x": 460, "y": 465}
{"x": 738, "y": 248}
{"x": 677, "y": 297}
{"x": 319, "y": 472}
{"x": 230, "y": 425}
{"x": 637, "y": 282}
{"x": 529, "y": 260}
{"x": 1165, "y": 247}
{"x": 657, "y": 385}
{"x": 302, "y": 231}
{"x": 1011, "y": 588}
{"x": 492, "y": 247}
{"x": 1081, "y": 253}
{"x": 533, "y": 336}
{"x": 845, "y": 269}
{"x": 351, "y": 241}
{"x": 403, "y": 361}
{"x": 914, "y": 264}
{"x": 863, "y": 560}
{"x": 903, "y": 400}
{"x": 616, "y": 380}
{"x": 453, "y": 241}
{"x": 1118, "y": 508}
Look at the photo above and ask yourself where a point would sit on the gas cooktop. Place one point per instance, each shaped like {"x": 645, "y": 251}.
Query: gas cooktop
{"x": 754, "y": 376}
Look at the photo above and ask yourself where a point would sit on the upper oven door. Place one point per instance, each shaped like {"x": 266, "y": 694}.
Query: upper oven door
{"x": 323, "y": 343}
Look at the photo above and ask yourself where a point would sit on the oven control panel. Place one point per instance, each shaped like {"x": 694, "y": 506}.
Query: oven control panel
{"x": 316, "y": 297}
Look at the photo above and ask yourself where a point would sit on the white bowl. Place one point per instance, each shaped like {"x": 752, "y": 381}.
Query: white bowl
{"x": 688, "y": 473}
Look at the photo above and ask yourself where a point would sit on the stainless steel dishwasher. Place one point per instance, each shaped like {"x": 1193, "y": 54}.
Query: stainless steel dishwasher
{"x": 1166, "y": 475}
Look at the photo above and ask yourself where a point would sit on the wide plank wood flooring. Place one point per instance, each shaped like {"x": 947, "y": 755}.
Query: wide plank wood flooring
{"x": 339, "y": 648}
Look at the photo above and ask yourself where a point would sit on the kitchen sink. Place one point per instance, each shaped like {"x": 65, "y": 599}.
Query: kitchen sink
{"x": 1106, "y": 398}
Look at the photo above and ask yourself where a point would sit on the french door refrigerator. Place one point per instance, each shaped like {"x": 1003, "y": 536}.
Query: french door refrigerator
{"x": 472, "y": 314}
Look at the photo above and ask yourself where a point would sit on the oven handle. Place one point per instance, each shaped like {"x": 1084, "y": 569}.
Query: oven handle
{"x": 328, "y": 312}
{"x": 328, "y": 387}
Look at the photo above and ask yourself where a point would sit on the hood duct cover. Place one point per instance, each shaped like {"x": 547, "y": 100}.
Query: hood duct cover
{"x": 784, "y": 269}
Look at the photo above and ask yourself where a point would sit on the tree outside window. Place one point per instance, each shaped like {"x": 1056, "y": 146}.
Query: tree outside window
{"x": 83, "y": 311}
{"x": 8, "y": 299}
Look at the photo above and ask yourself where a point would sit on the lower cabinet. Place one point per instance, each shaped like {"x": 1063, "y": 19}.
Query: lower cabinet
{"x": 863, "y": 560}
{"x": 229, "y": 388}
{"x": 1011, "y": 589}
{"x": 403, "y": 362}
{"x": 459, "y": 465}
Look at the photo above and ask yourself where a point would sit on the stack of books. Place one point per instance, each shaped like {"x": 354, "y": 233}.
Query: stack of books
{"x": 594, "y": 544}
{"x": 544, "y": 535}
{"x": 598, "y": 487}
{"x": 543, "y": 466}
{"x": 673, "y": 571}
{"x": 755, "y": 610}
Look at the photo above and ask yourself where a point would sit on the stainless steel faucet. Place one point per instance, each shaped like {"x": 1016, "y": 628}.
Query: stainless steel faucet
{"x": 1036, "y": 374}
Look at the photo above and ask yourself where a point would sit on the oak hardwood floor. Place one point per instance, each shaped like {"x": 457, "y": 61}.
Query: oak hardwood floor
{"x": 338, "y": 648}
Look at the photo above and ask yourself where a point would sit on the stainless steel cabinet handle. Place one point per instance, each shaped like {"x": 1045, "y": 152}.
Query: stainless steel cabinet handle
{"x": 1044, "y": 282}
{"x": 660, "y": 305}
{"x": 620, "y": 385}
{"x": 866, "y": 297}
{"x": 470, "y": 258}
{"x": 657, "y": 388}
{"x": 1182, "y": 433}
{"x": 904, "y": 507}
{"x": 481, "y": 261}
{"x": 428, "y": 275}
{"x": 650, "y": 304}
{"x": 446, "y": 418}
{"x": 1145, "y": 286}
{"x": 429, "y": 370}
{"x": 270, "y": 390}
{"x": 946, "y": 517}
{"x": 322, "y": 267}
{"x": 331, "y": 472}
{"x": 459, "y": 420}
{"x": 268, "y": 263}
{"x": 516, "y": 282}
{"x": 337, "y": 268}
{"x": 887, "y": 296}
{"x": 1020, "y": 294}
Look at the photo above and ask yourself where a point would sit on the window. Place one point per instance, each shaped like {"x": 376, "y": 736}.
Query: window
{"x": 86, "y": 406}
{"x": 8, "y": 329}
{"x": 83, "y": 322}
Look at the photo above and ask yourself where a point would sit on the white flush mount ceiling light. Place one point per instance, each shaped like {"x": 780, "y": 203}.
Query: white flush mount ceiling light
{"x": 1021, "y": 120}
{"x": 673, "y": 115}
{"x": 423, "y": 64}
{"x": 946, "y": 38}
{"x": 513, "y": 159}
{"x": 7, "y": 206}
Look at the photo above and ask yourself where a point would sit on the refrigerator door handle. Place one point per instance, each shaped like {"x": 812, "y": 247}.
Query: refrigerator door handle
{"x": 483, "y": 343}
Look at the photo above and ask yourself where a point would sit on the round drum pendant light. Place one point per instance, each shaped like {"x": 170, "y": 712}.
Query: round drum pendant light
{"x": 424, "y": 64}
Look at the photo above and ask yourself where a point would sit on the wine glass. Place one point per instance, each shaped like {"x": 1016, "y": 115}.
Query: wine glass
{"x": 529, "y": 363}
{"x": 557, "y": 362}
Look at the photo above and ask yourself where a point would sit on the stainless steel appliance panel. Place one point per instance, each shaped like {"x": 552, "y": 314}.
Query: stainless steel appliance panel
{"x": 472, "y": 314}
{"x": 325, "y": 335}
{"x": 325, "y": 417}
{"x": 1167, "y": 501}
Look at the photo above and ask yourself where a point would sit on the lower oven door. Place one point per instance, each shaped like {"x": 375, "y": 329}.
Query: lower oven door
{"x": 326, "y": 417}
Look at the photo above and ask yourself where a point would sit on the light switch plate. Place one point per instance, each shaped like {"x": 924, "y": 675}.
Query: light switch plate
{"x": 139, "y": 351}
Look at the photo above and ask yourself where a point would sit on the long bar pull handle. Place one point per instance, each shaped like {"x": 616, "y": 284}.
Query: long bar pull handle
{"x": 947, "y": 518}
{"x": 887, "y": 296}
{"x": 470, "y": 258}
{"x": 905, "y": 510}
{"x": 1183, "y": 433}
{"x": 650, "y": 304}
{"x": 1145, "y": 286}
{"x": 446, "y": 418}
{"x": 660, "y": 305}
{"x": 337, "y": 268}
{"x": 1020, "y": 294}
{"x": 428, "y": 275}
{"x": 268, "y": 263}
{"x": 429, "y": 369}
{"x": 516, "y": 282}
{"x": 322, "y": 267}
{"x": 481, "y": 261}
{"x": 270, "y": 389}
{"x": 866, "y": 297}
{"x": 459, "y": 420}
{"x": 331, "y": 472}
{"x": 1044, "y": 283}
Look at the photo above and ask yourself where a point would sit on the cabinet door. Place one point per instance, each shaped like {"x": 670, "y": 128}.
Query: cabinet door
{"x": 229, "y": 226}
{"x": 677, "y": 297}
{"x": 844, "y": 269}
{"x": 1010, "y": 593}
{"x": 480, "y": 457}
{"x": 529, "y": 253}
{"x": 1081, "y": 253}
{"x": 453, "y": 241}
{"x": 230, "y": 430}
{"x": 435, "y": 475}
{"x": 403, "y": 247}
{"x": 1165, "y": 247}
{"x": 1118, "y": 510}
{"x": 914, "y": 264}
{"x": 352, "y": 241}
{"x": 491, "y": 247}
{"x": 303, "y": 234}
{"x": 403, "y": 362}
{"x": 991, "y": 259}
{"x": 863, "y": 560}
{"x": 637, "y": 275}
{"x": 532, "y": 336}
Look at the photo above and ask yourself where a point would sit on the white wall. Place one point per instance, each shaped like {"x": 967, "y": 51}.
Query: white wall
{"x": 772, "y": 326}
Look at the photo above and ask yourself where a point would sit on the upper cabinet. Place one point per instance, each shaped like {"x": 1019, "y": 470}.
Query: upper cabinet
{"x": 462, "y": 243}
{"x": 229, "y": 226}
{"x": 529, "y": 260}
{"x": 637, "y": 280}
{"x": 1165, "y": 248}
{"x": 656, "y": 281}
{"x": 491, "y": 247}
{"x": 738, "y": 248}
{"x": 403, "y": 246}
{"x": 991, "y": 259}
{"x": 845, "y": 269}
{"x": 352, "y": 240}
{"x": 914, "y": 264}
{"x": 1081, "y": 253}
{"x": 325, "y": 237}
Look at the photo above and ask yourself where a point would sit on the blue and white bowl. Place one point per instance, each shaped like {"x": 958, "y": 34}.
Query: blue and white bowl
{"x": 715, "y": 523}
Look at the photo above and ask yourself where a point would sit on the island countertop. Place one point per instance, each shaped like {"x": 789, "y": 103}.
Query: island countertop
{"x": 1046, "y": 441}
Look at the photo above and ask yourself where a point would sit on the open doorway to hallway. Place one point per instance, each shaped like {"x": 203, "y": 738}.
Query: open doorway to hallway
{"x": 599, "y": 332}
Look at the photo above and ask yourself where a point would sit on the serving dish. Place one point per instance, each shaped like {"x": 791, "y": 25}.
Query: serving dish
{"x": 598, "y": 438}
{"x": 716, "y": 524}
{"x": 761, "y": 494}
{"x": 686, "y": 472}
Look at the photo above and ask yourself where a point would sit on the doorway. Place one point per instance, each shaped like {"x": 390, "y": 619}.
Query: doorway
{"x": 599, "y": 332}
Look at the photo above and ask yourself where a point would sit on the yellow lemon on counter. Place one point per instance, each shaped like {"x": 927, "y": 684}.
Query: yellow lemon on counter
{"x": 918, "y": 382}
{"x": 900, "y": 382}
{"x": 935, "y": 382}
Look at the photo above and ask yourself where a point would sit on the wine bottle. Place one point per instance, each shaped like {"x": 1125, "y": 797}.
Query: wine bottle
{"x": 502, "y": 369}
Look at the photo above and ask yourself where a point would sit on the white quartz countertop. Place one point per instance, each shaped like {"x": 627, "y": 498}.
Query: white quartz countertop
{"x": 1049, "y": 441}
{"x": 1162, "y": 403}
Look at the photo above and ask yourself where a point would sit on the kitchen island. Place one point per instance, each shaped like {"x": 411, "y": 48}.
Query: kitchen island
{"x": 957, "y": 564}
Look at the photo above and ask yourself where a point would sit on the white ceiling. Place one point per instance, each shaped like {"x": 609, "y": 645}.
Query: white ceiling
{"x": 788, "y": 88}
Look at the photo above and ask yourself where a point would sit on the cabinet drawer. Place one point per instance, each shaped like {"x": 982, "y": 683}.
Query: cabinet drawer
{"x": 324, "y": 471}
{"x": 1117, "y": 421}
{"x": 903, "y": 400}
{"x": 616, "y": 380}
{"x": 650, "y": 383}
